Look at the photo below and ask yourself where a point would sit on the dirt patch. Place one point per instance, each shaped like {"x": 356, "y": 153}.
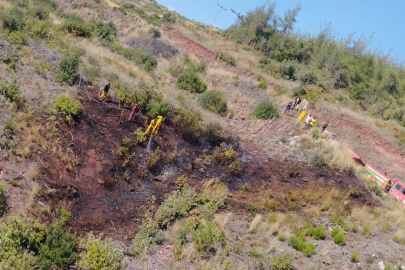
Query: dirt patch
{"x": 154, "y": 46}
{"x": 192, "y": 47}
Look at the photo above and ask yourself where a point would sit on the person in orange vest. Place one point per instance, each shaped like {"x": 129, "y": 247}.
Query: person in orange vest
{"x": 135, "y": 109}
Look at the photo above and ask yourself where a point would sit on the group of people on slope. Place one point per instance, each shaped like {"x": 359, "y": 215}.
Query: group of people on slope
{"x": 297, "y": 104}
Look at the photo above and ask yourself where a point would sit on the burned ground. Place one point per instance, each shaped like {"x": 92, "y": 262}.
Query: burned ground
{"x": 104, "y": 195}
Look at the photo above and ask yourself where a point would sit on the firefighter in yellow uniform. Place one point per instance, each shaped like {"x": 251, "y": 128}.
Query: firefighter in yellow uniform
{"x": 104, "y": 95}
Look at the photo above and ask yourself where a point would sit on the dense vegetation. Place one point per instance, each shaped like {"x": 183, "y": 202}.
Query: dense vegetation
{"x": 374, "y": 80}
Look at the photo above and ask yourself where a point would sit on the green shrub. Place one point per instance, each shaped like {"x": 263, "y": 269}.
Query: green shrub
{"x": 58, "y": 249}
{"x": 49, "y": 4}
{"x": 125, "y": 95}
{"x": 67, "y": 70}
{"x": 355, "y": 257}
{"x": 67, "y": 107}
{"x": 320, "y": 162}
{"x": 191, "y": 82}
{"x": 207, "y": 234}
{"x": 355, "y": 228}
{"x": 299, "y": 92}
{"x": 318, "y": 233}
{"x": 388, "y": 267}
{"x": 156, "y": 108}
{"x": 21, "y": 239}
{"x": 282, "y": 261}
{"x": 300, "y": 244}
{"x": 340, "y": 239}
{"x": 41, "y": 13}
{"x": 272, "y": 218}
{"x": 262, "y": 84}
{"x": 100, "y": 254}
{"x": 168, "y": 17}
{"x": 140, "y": 137}
{"x": 154, "y": 159}
{"x": 3, "y": 202}
{"x": 13, "y": 21}
{"x": 214, "y": 101}
{"x": 17, "y": 38}
{"x": 75, "y": 23}
{"x": 213, "y": 133}
{"x": 8, "y": 130}
{"x": 104, "y": 31}
{"x": 154, "y": 32}
{"x": 176, "y": 205}
{"x": 367, "y": 230}
{"x": 236, "y": 167}
{"x": 149, "y": 233}
{"x": 254, "y": 252}
{"x": 40, "y": 29}
{"x": 265, "y": 110}
{"x": 188, "y": 125}
{"x": 11, "y": 91}
{"x": 335, "y": 231}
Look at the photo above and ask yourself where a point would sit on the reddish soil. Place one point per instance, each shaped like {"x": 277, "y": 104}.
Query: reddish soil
{"x": 101, "y": 200}
{"x": 192, "y": 47}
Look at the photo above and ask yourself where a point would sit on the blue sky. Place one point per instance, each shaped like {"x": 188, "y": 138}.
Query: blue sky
{"x": 377, "y": 18}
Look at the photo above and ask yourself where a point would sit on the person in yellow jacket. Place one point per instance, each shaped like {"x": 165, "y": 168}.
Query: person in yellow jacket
{"x": 151, "y": 126}
{"x": 104, "y": 95}
{"x": 312, "y": 123}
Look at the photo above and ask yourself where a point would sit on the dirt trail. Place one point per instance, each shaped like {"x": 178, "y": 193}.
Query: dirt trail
{"x": 101, "y": 200}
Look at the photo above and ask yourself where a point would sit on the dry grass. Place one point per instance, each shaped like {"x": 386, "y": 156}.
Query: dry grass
{"x": 222, "y": 219}
{"x": 258, "y": 218}
{"x": 33, "y": 171}
{"x": 399, "y": 237}
{"x": 215, "y": 185}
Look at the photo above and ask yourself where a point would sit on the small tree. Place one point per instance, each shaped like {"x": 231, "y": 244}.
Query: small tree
{"x": 265, "y": 110}
{"x": 3, "y": 202}
{"x": 214, "y": 101}
{"x": 67, "y": 107}
{"x": 67, "y": 70}
{"x": 191, "y": 82}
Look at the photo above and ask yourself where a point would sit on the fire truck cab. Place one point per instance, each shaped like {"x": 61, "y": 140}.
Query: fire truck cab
{"x": 398, "y": 191}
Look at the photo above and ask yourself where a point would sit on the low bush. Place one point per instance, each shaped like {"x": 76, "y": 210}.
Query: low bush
{"x": 340, "y": 239}
{"x": 18, "y": 38}
{"x": 59, "y": 248}
{"x": 224, "y": 154}
{"x": 188, "y": 125}
{"x": 156, "y": 108}
{"x": 8, "y": 130}
{"x": 334, "y": 231}
{"x": 149, "y": 233}
{"x": 213, "y": 133}
{"x": 236, "y": 167}
{"x": 355, "y": 257}
{"x": 318, "y": 233}
{"x": 3, "y": 202}
{"x": 92, "y": 72}
{"x": 154, "y": 32}
{"x": 169, "y": 17}
{"x": 11, "y": 91}
{"x": 100, "y": 254}
{"x": 67, "y": 71}
{"x": 320, "y": 162}
{"x": 154, "y": 159}
{"x": 77, "y": 24}
{"x": 191, "y": 82}
{"x": 176, "y": 205}
{"x": 214, "y": 101}
{"x": 104, "y": 31}
{"x": 315, "y": 133}
{"x": 300, "y": 244}
{"x": 67, "y": 107}
{"x": 125, "y": 94}
{"x": 140, "y": 137}
{"x": 13, "y": 21}
{"x": 367, "y": 230}
{"x": 262, "y": 84}
{"x": 282, "y": 261}
{"x": 40, "y": 29}
{"x": 265, "y": 110}
{"x": 207, "y": 234}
